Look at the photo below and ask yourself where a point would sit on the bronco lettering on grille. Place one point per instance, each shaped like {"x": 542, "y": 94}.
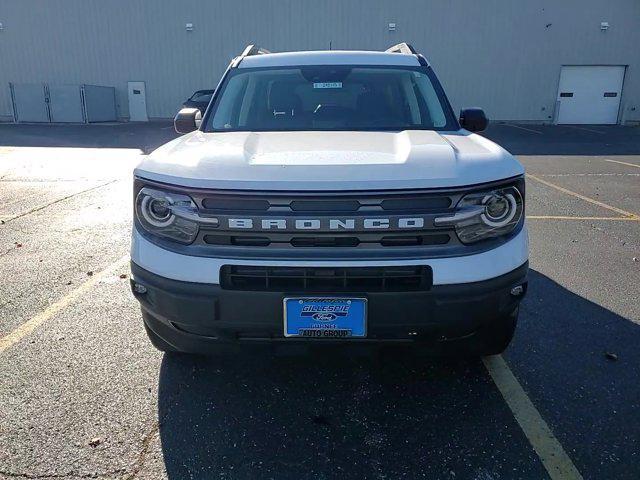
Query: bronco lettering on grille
{"x": 331, "y": 224}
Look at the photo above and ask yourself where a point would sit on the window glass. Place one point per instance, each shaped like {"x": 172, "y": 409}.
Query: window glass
{"x": 328, "y": 98}
{"x": 201, "y": 97}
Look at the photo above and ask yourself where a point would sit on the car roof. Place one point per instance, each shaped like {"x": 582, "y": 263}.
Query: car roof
{"x": 329, "y": 57}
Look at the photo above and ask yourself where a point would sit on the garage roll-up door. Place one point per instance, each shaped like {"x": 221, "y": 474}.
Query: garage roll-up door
{"x": 590, "y": 94}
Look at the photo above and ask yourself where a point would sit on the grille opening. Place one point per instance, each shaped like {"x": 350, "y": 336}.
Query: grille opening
{"x": 317, "y": 206}
{"x": 241, "y": 241}
{"x": 409, "y": 241}
{"x": 415, "y": 204}
{"x": 325, "y": 242}
{"x": 235, "y": 204}
{"x": 250, "y": 241}
{"x": 326, "y": 279}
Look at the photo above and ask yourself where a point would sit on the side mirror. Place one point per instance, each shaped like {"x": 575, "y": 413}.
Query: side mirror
{"x": 187, "y": 120}
{"x": 473, "y": 119}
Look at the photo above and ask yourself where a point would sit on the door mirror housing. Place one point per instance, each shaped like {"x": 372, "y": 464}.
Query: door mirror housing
{"x": 473, "y": 119}
{"x": 187, "y": 120}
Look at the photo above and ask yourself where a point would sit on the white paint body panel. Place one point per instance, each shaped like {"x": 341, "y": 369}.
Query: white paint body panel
{"x": 588, "y": 84}
{"x": 308, "y": 161}
{"x": 446, "y": 271}
{"x": 137, "y": 102}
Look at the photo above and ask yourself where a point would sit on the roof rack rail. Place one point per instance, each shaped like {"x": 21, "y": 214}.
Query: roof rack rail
{"x": 403, "y": 47}
{"x": 248, "y": 52}
{"x": 408, "y": 49}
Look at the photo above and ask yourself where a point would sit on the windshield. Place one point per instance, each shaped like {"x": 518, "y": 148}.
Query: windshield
{"x": 330, "y": 97}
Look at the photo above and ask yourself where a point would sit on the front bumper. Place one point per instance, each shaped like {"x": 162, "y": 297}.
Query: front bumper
{"x": 204, "y": 318}
{"x": 446, "y": 271}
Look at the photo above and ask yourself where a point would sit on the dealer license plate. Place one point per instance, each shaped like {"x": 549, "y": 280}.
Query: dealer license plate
{"x": 325, "y": 317}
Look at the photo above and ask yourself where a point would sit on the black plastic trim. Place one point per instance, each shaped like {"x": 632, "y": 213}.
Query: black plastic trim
{"x": 326, "y": 279}
{"x": 197, "y": 317}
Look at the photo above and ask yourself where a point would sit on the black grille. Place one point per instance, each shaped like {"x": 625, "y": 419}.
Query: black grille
{"x": 332, "y": 223}
{"x": 226, "y": 203}
{"x": 313, "y": 204}
{"x": 418, "y": 203}
{"x": 326, "y": 241}
{"x": 319, "y": 206}
{"x": 327, "y": 225}
{"x": 316, "y": 241}
{"x": 326, "y": 279}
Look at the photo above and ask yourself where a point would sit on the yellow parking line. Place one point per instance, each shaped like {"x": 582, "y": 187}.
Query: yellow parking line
{"x": 582, "y": 197}
{"x": 621, "y": 163}
{"x": 546, "y": 445}
{"x": 563, "y": 217}
{"x": 30, "y": 325}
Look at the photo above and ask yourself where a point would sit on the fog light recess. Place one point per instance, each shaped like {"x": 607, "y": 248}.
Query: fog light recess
{"x": 138, "y": 288}
{"x": 517, "y": 290}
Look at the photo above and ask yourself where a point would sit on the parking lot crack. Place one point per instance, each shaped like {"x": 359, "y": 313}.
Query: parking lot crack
{"x": 144, "y": 451}
{"x": 150, "y": 436}
{"x": 67, "y": 197}
{"x": 6, "y": 252}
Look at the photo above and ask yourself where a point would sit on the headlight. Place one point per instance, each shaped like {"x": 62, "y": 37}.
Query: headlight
{"x": 167, "y": 214}
{"x": 486, "y": 214}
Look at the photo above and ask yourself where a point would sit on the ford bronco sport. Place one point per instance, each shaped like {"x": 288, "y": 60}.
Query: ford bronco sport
{"x": 330, "y": 197}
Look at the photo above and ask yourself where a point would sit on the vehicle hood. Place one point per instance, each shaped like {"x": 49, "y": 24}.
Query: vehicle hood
{"x": 306, "y": 161}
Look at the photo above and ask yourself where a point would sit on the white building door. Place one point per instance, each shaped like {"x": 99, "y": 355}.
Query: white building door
{"x": 590, "y": 94}
{"x": 137, "y": 102}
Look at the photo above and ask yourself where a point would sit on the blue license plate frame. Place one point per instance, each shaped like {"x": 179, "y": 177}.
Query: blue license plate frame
{"x": 325, "y": 317}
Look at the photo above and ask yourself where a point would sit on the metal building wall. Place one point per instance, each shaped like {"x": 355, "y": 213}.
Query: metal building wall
{"x": 503, "y": 55}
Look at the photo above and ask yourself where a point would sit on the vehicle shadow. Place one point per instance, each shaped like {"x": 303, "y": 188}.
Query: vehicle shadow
{"x": 331, "y": 415}
{"x": 335, "y": 416}
{"x": 395, "y": 415}
{"x": 579, "y": 363}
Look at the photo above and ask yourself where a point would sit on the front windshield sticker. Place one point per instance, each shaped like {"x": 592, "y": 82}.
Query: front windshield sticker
{"x": 328, "y": 85}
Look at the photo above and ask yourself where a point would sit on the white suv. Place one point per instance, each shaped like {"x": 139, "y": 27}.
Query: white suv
{"x": 330, "y": 198}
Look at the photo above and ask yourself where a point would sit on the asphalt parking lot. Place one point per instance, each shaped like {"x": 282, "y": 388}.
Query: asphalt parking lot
{"x": 84, "y": 395}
